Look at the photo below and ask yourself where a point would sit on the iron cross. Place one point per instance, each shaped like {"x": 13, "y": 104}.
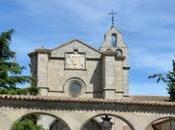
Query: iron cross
{"x": 112, "y": 13}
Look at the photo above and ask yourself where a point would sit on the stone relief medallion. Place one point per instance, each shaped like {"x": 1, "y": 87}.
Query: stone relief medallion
{"x": 75, "y": 61}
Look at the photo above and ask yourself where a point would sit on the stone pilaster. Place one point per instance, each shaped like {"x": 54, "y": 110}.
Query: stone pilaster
{"x": 42, "y": 82}
{"x": 108, "y": 77}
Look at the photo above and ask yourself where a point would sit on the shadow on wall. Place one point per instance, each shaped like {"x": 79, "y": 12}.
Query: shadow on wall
{"x": 96, "y": 80}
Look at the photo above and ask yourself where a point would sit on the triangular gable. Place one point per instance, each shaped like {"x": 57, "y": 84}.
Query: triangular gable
{"x": 71, "y": 45}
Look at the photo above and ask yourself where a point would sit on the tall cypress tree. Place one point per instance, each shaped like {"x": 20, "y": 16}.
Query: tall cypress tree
{"x": 10, "y": 71}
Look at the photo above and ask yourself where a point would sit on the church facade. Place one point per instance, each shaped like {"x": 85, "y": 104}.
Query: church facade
{"x": 83, "y": 88}
{"x": 93, "y": 73}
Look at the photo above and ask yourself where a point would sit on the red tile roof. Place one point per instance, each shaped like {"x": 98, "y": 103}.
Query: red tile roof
{"x": 137, "y": 100}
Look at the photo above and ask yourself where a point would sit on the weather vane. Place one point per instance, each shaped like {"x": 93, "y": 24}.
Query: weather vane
{"x": 112, "y": 13}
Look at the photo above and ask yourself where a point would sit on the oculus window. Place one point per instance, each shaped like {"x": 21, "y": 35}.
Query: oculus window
{"x": 75, "y": 89}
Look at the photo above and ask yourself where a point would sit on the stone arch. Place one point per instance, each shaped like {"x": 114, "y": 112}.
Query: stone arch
{"x": 42, "y": 113}
{"x": 157, "y": 119}
{"x": 74, "y": 80}
{"x": 113, "y": 115}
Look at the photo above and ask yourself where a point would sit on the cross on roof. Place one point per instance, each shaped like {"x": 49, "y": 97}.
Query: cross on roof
{"x": 112, "y": 13}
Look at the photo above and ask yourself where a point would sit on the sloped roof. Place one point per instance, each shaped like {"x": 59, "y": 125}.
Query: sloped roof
{"x": 74, "y": 40}
{"x": 44, "y": 50}
{"x": 133, "y": 100}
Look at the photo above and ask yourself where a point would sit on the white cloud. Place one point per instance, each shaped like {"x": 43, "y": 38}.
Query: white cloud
{"x": 143, "y": 59}
{"x": 56, "y": 20}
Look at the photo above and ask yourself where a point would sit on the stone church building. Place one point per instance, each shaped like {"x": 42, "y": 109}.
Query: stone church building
{"x": 75, "y": 69}
{"x": 83, "y": 88}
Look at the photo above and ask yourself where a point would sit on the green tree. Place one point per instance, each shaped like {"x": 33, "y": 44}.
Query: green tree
{"x": 28, "y": 123}
{"x": 169, "y": 80}
{"x": 10, "y": 71}
{"x": 11, "y": 76}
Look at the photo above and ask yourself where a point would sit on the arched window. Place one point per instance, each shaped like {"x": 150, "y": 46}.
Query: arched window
{"x": 114, "y": 40}
{"x": 75, "y": 89}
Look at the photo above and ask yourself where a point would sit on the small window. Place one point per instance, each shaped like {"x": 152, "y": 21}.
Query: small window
{"x": 75, "y": 89}
{"x": 114, "y": 40}
{"x": 119, "y": 52}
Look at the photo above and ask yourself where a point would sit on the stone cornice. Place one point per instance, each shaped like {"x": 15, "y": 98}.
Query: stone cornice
{"x": 108, "y": 53}
{"x": 41, "y": 51}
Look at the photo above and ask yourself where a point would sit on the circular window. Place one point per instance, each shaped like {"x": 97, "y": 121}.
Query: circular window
{"x": 75, "y": 89}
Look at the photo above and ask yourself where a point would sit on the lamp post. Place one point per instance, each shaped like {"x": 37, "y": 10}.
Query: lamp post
{"x": 106, "y": 124}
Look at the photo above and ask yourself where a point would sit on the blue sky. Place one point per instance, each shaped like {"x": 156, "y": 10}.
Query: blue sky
{"x": 148, "y": 27}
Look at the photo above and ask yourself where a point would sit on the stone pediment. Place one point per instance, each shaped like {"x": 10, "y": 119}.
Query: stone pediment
{"x": 75, "y": 45}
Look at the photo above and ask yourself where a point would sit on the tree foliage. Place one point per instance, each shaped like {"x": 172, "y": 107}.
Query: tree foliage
{"x": 28, "y": 123}
{"x": 20, "y": 91}
{"x": 169, "y": 79}
{"x": 11, "y": 76}
{"x": 10, "y": 71}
